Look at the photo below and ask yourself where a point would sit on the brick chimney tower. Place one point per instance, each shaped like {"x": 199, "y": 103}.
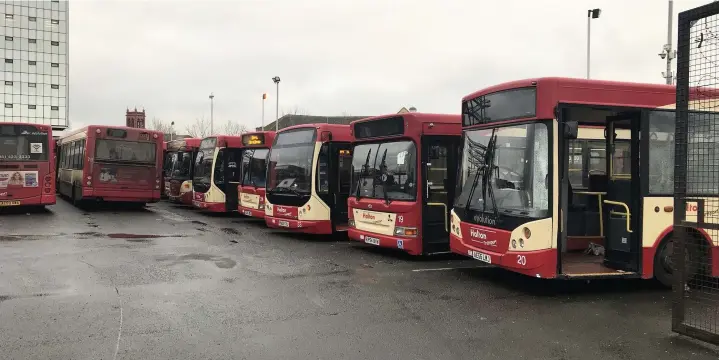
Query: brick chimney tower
{"x": 135, "y": 119}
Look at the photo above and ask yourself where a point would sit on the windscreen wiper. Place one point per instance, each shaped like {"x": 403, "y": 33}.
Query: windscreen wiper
{"x": 363, "y": 172}
{"x": 487, "y": 188}
{"x": 480, "y": 153}
{"x": 383, "y": 173}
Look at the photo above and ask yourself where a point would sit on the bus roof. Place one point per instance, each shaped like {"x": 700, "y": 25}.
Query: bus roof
{"x": 339, "y": 132}
{"x": 418, "y": 124}
{"x": 230, "y": 141}
{"x": 572, "y": 88}
{"x": 183, "y": 144}
{"x": 91, "y": 128}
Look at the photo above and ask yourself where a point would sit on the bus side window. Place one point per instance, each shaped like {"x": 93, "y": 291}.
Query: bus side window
{"x": 323, "y": 184}
{"x": 82, "y": 154}
{"x": 219, "y": 174}
{"x": 345, "y": 174}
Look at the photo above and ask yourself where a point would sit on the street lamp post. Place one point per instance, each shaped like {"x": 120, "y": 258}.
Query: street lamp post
{"x": 591, "y": 14}
{"x": 276, "y": 79}
{"x": 667, "y": 52}
{"x": 212, "y": 114}
{"x": 264, "y": 97}
{"x": 172, "y": 130}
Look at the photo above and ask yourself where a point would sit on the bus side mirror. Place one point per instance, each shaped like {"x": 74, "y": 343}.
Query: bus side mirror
{"x": 571, "y": 130}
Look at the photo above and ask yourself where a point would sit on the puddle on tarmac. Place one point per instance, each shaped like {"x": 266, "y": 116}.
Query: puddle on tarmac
{"x": 220, "y": 262}
{"x": 231, "y": 231}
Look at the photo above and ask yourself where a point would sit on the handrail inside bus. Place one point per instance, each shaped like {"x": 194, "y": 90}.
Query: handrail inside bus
{"x": 446, "y": 225}
{"x": 626, "y": 209}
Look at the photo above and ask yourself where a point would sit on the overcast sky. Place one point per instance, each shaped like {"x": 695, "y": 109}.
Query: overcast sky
{"x": 359, "y": 57}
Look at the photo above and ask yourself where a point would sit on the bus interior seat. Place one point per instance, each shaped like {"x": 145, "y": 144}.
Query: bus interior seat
{"x": 575, "y": 216}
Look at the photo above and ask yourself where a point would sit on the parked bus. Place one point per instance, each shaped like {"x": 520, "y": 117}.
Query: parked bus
{"x": 27, "y": 165}
{"x": 517, "y": 206}
{"x": 403, "y": 176}
{"x": 254, "y": 172}
{"x": 217, "y": 174}
{"x": 111, "y": 163}
{"x": 308, "y": 179}
{"x": 178, "y": 173}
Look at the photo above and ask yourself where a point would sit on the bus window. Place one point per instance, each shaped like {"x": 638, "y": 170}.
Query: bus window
{"x": 437, "y": 175}
{"x": 323, "y": 178}
{"x": 661, "y": 152}
{"x": 597, "y": 157}
{"x": 622, "y": 159}
{"x": 576, "y": 163}
{"x": 219, "y": 173}
{"x": 345, "y": 174}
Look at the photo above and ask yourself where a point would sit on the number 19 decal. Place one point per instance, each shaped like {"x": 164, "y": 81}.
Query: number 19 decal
{"x": 400, "y": 219}
{"x": 521, "y": 260}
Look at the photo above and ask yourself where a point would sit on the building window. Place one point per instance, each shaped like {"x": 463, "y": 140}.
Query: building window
{"x": 8, "y": 61}
{"x": 9, "y": 16}
{"x": 32, "y": 62}
{"x": 54, "y": 86}
{"x": 32, "y": 41}
{"x": 32, "y": 18}
{"x": 55, "y": 64}
{"x": 8, "y": 38}
{"x": 55, "y": 43}
{"x": 54, "y": 108}
{"x": 8, "y": 106}
{"x": 31, "y": 107}
{"x": 9, "y": 83}
{"x": 31, "y": 85}
{"x": 54, "y": 22}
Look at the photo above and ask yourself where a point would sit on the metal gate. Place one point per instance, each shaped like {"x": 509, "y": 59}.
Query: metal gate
{"x": 695, "y": 245}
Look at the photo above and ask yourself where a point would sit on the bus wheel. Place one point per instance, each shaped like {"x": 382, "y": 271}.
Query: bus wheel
{"x": 664, "y": 263}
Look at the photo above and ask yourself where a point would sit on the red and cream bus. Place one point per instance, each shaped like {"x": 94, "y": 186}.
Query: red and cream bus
{"x": 517, "y": 206}
{"x": 254, "y": 172}
{"x": 216, "y": 174}
{"x": 308, "y": 179}
{"x": 111, "y": 163}
{"x": 180, "y": 158}
{"x": 27, "y": 165}
{"x": 403, "y": 177}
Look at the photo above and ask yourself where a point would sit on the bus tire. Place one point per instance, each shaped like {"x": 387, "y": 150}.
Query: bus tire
{"x": 663, "y": 262}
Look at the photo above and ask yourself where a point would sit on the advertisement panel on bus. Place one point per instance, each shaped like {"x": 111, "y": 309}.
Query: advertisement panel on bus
{"x": 308, "y": 179}
{"x": 114, "y": 164}
{"x": 403, "y": 171}
{"x": 251, "y": 191}
{"x": 181, "y": 155}
{"x": 27, "y": 165}
{"x": 518, "y": 175}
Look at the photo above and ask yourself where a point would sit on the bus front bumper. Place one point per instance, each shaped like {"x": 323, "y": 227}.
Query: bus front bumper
{"x": 209, "y": 206}
{"x": 255, "y": 213}
{"x": 320, "y": 227}
{"x": 539, "y": 263}
{"x": 412, "y": 246}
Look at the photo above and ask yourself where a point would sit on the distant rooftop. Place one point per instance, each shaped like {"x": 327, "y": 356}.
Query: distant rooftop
{"x": 292, "y": 120}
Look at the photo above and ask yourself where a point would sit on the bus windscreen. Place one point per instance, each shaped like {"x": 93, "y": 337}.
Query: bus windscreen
{"x": 125, "y": 151}
{"x": 498, "y": 106}
{"x": 23, "y": 143}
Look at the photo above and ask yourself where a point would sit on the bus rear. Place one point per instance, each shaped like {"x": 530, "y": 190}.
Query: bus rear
{"x": 403, "y": 170}
{"x": 181, "y": 155}
{"x": 251, "y": 190}
{"x": 217, "y": 174}
{"x": 308, "y": 179}
{"x": 27, "y": 165}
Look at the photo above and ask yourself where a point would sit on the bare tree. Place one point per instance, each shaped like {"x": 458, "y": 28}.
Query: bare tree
{"x": 159, "y": 125}
{"x": 234, "y": 128}
{"x": 296, "y": 110}
{"x": 199, "y": 129}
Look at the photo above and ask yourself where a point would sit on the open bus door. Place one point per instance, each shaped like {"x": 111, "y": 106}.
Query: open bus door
{"x": 439, "y": 161}
{"x": 232, "y": 159}
{"x": 622, "y": 203}
{"x": 334, "y": 167}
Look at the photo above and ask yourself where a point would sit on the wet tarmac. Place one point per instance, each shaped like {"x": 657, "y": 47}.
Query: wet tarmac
{"x": 168, "y": 282}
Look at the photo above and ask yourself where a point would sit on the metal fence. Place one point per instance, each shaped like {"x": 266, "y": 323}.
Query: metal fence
{"x": 695, "y": 245}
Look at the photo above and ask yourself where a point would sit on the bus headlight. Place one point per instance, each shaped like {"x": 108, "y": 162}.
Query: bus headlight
{"x": 521, "y": 242}
{"x": 351, "y": 222}
{"x": 405, "y": 231}
{"x": 514, "y": 243}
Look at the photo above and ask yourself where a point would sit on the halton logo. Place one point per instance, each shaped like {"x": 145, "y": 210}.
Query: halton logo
{"x": 477, "y": 234}
{"x": 3, "y": 194}
{"x": 368, "y": 216}
{"x": 485, "y": 220}
{"x": 281, "y": 210}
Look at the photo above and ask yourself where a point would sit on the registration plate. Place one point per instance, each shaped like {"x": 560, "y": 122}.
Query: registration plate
{"x": 284, "y": 223}
{"x": 480, "y": 256}
{"x": 9, "y": 203}
{"x": 371, "y": 240}
{"x": 247, "y": 212}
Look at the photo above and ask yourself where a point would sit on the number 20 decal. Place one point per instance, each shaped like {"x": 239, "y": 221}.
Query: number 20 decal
{"x": 521, "y": 260}
{"x": 400, "y": 218}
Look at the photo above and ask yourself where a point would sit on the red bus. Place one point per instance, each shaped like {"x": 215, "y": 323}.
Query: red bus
{"x": 403, "y": 176}
{"x": 308, "y": 179}
{"x": 517, "y": 206}
{"x": 180, "y": 158}
{"x": 27, "y": 165}
{"x": 216, "y": 173}
{"x": 111, "y": 163}
{"x": 251, "y": 190}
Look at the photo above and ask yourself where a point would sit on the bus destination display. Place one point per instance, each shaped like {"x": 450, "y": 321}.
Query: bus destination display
{"x": 253, "y": 139}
